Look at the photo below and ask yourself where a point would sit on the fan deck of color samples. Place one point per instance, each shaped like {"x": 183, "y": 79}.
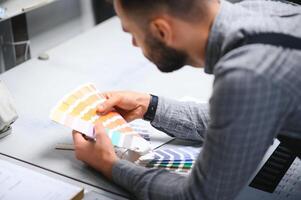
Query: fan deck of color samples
{"x": 78, "y": 111}
{"x": 175, "y": 159}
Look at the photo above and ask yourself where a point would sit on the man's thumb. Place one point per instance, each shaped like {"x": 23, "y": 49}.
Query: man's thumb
{"x": 99, "y": 130}
{"x": 108, "y": 105}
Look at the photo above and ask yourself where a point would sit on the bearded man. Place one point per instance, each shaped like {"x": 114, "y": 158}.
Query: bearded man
{"x": 253, "y": 50}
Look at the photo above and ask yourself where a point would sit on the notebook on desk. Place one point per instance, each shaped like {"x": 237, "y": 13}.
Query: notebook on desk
{"x": 18, "y": 182}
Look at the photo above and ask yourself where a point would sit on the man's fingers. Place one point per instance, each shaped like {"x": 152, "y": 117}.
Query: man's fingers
{"x": 82, "y": 146}
{"x": 129, "y": 117}
{"x": 102, "y": 111}
{"x": 77, "y": 137}
{"x": 99, "y": 130}
{"x": 109, "y": 104}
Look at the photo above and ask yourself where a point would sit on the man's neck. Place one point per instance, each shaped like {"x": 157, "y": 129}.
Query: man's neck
{"x": 199, "y": 37}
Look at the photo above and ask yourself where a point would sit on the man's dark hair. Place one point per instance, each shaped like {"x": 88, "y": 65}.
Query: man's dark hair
{"x": 189, "y": 10}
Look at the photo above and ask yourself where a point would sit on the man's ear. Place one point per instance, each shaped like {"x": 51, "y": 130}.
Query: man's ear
{"x": 162, "y": 30}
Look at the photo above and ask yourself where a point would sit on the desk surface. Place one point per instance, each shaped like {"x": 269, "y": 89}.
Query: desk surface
{"x": 103, "y": 56}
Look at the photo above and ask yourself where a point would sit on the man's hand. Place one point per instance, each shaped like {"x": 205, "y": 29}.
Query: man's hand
{"x": 131, "y": 105}
{"x": 98, "y": 154}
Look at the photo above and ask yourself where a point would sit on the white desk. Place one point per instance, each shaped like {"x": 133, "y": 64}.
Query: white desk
{"x": 103, "y": 56}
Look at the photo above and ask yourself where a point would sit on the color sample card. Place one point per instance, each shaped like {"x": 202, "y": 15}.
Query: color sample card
{"x": 175, "y": 159}
{"x": 78, "y": 111}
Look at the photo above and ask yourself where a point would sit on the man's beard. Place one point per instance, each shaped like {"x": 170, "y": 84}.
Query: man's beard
{"x": 165, "y": 58}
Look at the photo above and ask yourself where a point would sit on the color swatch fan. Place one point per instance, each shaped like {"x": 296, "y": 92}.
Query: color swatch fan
{"x": 77, "y": 110}
{"x": 174, "y": 159}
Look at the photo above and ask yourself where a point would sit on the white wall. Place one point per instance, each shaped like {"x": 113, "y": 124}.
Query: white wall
{"x": 55, "y": 23}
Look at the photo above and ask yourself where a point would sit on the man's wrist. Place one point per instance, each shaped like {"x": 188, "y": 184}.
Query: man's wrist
{"x": 152, "y": 108}
{"x": 108, "y": 167}
{"x": 143, "y": 102}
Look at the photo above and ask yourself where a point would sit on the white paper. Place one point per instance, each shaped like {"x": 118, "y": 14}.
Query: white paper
{"x": 17, "y": 182}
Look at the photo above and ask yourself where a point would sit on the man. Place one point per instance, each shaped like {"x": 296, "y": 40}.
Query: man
{"x": 253, "y": 50}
